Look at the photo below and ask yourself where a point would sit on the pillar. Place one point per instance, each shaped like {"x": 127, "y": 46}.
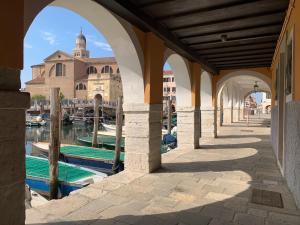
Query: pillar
{"x": 143, "y": 121}
{"x": 188, "y": 117}
{"x": 12, "y": 149}
{"x": 208, "y": 122}
{"x": 227, "y": 114}
{"x": 209, "y": 115}
{"x": 12, "y": 115}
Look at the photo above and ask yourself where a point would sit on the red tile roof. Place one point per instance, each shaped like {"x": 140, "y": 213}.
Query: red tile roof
{"x": 168, "y": 72}
{"x": 37, "y": 80}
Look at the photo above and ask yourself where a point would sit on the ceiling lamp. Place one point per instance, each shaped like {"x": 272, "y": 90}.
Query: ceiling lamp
{"x": 224, "y": 37}
{"x": 255, "y": 87}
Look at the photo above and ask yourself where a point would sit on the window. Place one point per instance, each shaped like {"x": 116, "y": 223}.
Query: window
{"x": 165, "y": 89}
{"x": 168, "y": 89}
{"x": 107, "y": 69}
{"x": 80, "y": 87}
{"x": 59, "y": 69}
{"x": 173, "y": 79}
{"x": 173, "y": 89}
{"x": 91, "y": 70}
{"x": 118, "y": 70}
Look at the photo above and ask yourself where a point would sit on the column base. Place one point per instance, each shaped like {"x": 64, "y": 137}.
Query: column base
{"x": 188, "y": 127}
{"x": 208, "y": 124}
{"x": 227, "y": 116}
{"x": 143, "y": 137}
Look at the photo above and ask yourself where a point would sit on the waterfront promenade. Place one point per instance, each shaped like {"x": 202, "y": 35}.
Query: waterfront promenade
{"x": 212, "y": 185}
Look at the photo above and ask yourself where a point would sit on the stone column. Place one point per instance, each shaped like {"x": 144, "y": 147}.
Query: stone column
{"x": 235, "y": 114}
{"x": 208, "y": 124}
{"x": 12, "y": 147}
{"x": 143, "y": 137}
{"x": 227, "y": 115}
{"x": 188, "y": 127}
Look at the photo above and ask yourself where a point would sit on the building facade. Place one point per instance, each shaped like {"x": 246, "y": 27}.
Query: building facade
{"x": 77, "y": 75}
{"x": 169, "y": 86}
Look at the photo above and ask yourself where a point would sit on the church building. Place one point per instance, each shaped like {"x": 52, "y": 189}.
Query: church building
{"x": 77, "y": 75}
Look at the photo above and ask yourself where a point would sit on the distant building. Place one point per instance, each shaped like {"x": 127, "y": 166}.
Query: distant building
{"x": 77, "y": 75}
{"x": 266, "y": 102}
{"x": 169, "y": 86}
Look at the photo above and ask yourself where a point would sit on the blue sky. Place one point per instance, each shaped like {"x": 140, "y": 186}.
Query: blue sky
{"x": 56, "y": 28}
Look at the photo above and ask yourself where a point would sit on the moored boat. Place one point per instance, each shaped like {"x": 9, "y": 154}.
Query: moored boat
{"x": 107, "y": 141}
{"x": 71, "y": 177}
{"x": 97, "y": 159}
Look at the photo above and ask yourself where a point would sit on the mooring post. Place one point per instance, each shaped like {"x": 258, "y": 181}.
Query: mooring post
{"x": 119, "y": 125}
{"x": 169, "y": 106}
{"x": 97, "y": 100}
{"x": 54, "y": 146}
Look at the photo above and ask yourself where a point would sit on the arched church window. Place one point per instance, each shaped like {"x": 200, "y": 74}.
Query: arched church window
{"x": 80, "y": 86}
{"x": 107, "y": 69}
{"x": 59, "y": 69}
{"x": 91, "y": 70}
{"x": 77, "y": 87}
{"x": 118, "y": 70}
{"x": 84, "y": 87}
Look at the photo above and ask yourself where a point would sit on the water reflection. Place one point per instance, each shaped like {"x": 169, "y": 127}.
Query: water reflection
{"x": 69, "y": 134}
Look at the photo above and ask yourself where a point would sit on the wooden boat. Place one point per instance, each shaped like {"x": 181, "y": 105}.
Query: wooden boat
{"x": 94, "y": 158}
{"x": 35, "y": 121}
{"x": 105, "y": 140}
{"x": 70, "y": 177}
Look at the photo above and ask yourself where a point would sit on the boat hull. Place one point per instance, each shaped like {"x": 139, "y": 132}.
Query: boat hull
{"x": 42, "y": 186}
{"x": 95, "y": 164}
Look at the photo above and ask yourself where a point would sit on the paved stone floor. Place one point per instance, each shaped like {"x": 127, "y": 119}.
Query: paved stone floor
{"x": 211, "y": 185}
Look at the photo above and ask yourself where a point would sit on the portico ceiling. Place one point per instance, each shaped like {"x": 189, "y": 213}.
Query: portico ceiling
{"x": 247, "y": 83}
{"x": 219, "y": 34}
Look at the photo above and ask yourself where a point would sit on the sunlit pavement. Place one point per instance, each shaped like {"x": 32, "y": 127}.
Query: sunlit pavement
{"x": 212, "y": 185}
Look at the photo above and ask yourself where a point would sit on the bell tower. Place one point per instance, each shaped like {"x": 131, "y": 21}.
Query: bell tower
{"x": 80, "y": 47}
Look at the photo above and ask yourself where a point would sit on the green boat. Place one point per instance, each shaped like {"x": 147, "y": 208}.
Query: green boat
{"x": 71, "y": 177}
{"x": 104, "y": 141}
{"x": 94, "y": 158}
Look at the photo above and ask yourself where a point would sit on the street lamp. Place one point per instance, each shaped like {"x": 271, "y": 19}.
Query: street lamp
{"x": 255, "y": 87}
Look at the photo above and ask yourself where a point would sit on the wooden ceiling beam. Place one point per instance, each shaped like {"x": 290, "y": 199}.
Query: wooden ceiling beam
{"x": 230, "y": 54}
{"x": 270, "y": 45}
{"x": 231, "y": 25}
{"x": 225, "y": 59}
{"x": 242, "y": 33}
{"x": 235, "y": 43}
{"x": 243, "y": 10}
{"x": 127, "y": 10}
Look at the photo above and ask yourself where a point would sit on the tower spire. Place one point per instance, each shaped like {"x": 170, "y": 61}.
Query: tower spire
{"x": 80, "y": 49}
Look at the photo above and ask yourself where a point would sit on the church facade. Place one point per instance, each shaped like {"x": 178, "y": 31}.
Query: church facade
{"x": 77, "y": 75}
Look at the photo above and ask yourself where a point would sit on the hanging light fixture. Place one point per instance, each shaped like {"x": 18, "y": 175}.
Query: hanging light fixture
{"x": 255, "y": 87}
{"x": 224, "y": 37}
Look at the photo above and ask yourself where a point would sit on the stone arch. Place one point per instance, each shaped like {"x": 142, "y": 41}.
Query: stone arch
{"x": 206, "y": 90}
{"x": 181, "y": 70}
{"x": 119, "y": 34}
{"x": 232, "y": 75}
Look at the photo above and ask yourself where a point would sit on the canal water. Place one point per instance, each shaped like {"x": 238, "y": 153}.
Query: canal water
{"x": 69, "y": 134}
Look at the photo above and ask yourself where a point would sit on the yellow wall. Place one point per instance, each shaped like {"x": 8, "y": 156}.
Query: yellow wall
{"x": 292, "y": 20}
{"x": 153, "y": 48}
